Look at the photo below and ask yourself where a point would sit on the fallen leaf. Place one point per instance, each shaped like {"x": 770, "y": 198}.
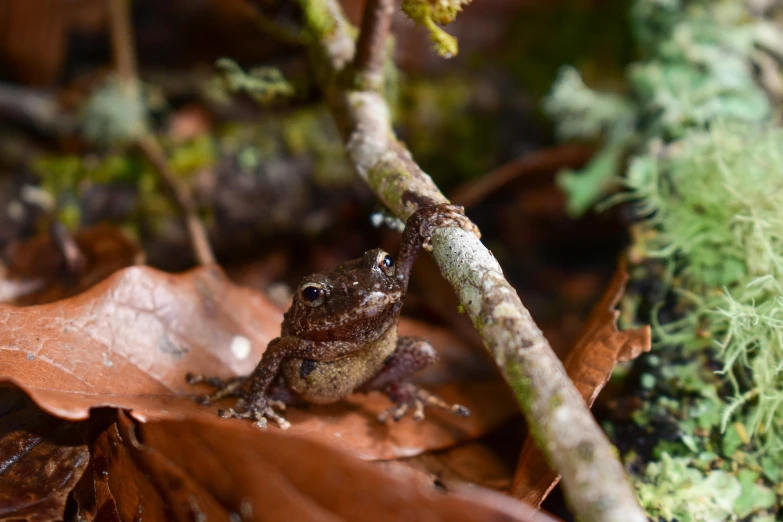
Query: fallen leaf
{"x": 125, "y": 488}
{"x": 204, "y": 470}
{"x": 41, "y": 460}
{"x": 589, "y": 365}
{"x": 473, "y": 463}
{"x": 36, "y": 270}
{"x": 129, "y": 341}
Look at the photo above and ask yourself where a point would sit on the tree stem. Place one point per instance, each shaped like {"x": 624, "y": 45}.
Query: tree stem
{"x": 371, "y": 47}
{"x": 594, "y": 481}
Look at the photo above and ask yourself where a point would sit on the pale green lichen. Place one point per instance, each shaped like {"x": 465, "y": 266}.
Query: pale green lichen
{"x": 674, "y": 490}
{"x": 699, "y": 66}
{"x": 712, "y": 216}
{"x": 703, "y": 164}
{"x": 115, "y": 112}
{"x": 263, "y": 84}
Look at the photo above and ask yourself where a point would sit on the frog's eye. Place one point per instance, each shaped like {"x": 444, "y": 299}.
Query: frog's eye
{"x": 386, "y": 263}
{"x": 312, "y": 294}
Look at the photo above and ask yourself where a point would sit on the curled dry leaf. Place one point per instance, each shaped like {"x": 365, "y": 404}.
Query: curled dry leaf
{"x": 37, "y": 270}
{"x": 589, "y": 365}
{"x": 205, "y": 470}
{"x": 129, "y": 341}
{"x": 41, "y": 460}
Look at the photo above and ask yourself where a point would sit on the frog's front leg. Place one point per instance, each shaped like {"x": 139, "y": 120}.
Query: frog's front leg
{"x": 411, "y": 355}
{"x": 252, "y": 391}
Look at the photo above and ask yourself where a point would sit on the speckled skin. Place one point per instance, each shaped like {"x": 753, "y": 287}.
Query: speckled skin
{"x": 345, "y": 339}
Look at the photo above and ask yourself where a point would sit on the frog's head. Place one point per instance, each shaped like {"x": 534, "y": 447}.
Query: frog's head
{"x": 358, "y": 300}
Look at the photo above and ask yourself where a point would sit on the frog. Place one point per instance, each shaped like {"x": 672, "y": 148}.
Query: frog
{"x": 339, "y": 336}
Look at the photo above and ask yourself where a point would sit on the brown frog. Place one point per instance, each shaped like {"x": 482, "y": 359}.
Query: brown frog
{"x": 340, "y": 336}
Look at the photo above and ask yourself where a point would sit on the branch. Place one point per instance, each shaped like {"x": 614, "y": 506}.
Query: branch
{"x": 178, "y": 193}
{"x": 371, "y": 47}
{"x": 594, "y": 481}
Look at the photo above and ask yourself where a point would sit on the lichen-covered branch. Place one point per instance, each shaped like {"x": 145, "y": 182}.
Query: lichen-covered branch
{"x": 594, "y": 480}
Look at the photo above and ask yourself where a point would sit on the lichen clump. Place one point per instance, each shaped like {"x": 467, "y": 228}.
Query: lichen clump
{"x": 712, "y": 213}
{"x": 694, "y": 143}
{"x": 431, "y": 14}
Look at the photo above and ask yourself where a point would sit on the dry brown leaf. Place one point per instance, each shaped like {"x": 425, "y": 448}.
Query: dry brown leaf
{"x": 589, "y": 365}
{"x": 41, "y": 460}
{"x": 129, "y": 341}
{"x": 201, "y": 468}
{"x": 37, "y": 273}
{"x": 474, "y": 463}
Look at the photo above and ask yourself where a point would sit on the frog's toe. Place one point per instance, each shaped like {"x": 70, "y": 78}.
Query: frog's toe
{"x": 428, "y": 399}
{"x": 259, "y": 413}
{"x": 407, "y": 397}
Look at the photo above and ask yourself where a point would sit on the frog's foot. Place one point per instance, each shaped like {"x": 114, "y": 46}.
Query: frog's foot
{"x": 258, "y": 409}
{"x": 407, "y": 397}
{"x": 223, "y": 388}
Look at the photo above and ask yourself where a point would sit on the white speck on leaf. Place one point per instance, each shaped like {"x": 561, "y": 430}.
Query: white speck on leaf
{"x": 240, "y": 347}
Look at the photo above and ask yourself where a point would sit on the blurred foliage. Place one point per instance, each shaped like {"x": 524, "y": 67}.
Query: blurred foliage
{"x": 70, "y": 178}
{"x": 114, "y": 113}
{"x": 699, "y": 62}
{"x": 595, "y": 38}
{"x": 264, "y": 84}
{"x": 447, "y": 134}
{"x": 299, "y": 143}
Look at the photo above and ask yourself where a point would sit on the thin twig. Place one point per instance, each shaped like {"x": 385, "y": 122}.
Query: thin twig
{"x": 66, "y": 244}
{"x": 180, "y": 195}
{"x": 125, "y": 64}
{"x": 122, "y": 42}
{"x": 593, "y": 478}
{"x": 371, "y": 47}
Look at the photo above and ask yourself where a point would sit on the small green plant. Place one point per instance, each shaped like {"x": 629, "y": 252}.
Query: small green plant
{"x": 432, "y": 14}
